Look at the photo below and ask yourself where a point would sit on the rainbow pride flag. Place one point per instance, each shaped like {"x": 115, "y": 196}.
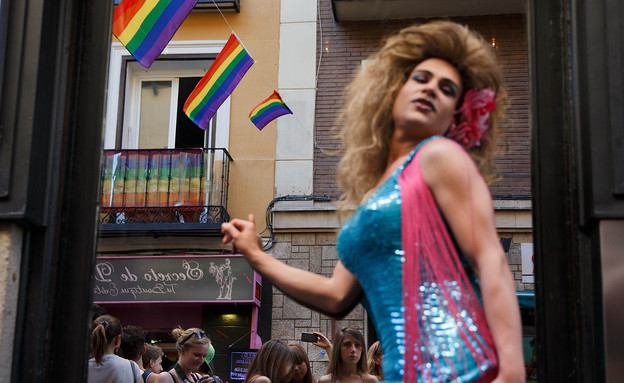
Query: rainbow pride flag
{"x": 268, "y": 110}
{"x": 145, "y": 27}
{"x": 218, "y": 83}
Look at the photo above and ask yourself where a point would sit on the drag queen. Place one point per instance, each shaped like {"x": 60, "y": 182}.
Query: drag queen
{"x": 418, "y": 127}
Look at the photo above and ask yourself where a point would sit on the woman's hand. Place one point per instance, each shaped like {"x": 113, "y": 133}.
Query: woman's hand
{"x": 323, "y": 343}
{"x": 242, "y": 234}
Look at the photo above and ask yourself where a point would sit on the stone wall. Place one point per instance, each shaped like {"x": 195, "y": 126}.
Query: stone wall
{"x": 315, "y": 252}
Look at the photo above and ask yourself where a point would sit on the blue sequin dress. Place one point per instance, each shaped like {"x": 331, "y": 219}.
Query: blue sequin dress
{"x": 369, "y": 245}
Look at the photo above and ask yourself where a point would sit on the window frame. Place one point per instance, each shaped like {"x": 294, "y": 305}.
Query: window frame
{"x": 122, "y": 81}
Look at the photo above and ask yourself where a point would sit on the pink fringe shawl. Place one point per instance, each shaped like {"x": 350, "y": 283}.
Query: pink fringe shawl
{"x": 430, "y": 256}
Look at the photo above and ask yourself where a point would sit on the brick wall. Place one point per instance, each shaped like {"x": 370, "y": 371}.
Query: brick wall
{"x": 341, "y": 49}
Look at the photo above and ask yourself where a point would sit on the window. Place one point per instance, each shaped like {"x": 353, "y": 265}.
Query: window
{"x": 148, "y": 114}
{"x": 153, "y": 102}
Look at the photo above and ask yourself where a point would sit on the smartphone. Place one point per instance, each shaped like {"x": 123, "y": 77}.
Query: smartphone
{"x": 309, "y": 337}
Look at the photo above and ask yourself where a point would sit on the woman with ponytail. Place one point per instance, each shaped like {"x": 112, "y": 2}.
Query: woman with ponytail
{"x": 105, "y": 366}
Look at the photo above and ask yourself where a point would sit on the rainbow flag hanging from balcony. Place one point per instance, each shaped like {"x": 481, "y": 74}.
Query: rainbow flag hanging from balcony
{"x": 145, "y": 27}
{"x": 218, "y": 83}
{"x": 268, "y": 110}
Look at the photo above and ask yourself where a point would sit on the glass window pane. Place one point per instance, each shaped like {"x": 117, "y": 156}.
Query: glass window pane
{"x": 155, "y": 113}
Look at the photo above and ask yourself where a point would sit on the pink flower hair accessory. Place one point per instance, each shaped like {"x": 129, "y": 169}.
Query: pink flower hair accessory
{"x": 473, "y": 118}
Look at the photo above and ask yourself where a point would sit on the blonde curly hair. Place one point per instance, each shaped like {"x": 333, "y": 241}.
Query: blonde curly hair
{"x": 366, "y": 118}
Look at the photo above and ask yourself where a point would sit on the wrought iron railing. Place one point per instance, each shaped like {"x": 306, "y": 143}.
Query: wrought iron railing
{"x": 165, "y": 186}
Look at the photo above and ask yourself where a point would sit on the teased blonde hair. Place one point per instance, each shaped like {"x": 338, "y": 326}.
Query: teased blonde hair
{"x": 373, "y": 368}
{"x": 366, "y": 118}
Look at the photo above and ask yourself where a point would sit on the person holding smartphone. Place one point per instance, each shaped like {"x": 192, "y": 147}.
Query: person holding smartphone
{"x": 319, "y": 340}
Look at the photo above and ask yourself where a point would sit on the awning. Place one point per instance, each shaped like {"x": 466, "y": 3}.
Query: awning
{"x": 526, "y": 298}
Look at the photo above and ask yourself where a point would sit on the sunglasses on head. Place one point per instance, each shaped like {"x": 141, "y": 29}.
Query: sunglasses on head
{"x": 200, "y": 334}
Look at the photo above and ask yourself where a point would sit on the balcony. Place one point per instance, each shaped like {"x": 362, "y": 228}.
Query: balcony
{"x": 164, "y": 190}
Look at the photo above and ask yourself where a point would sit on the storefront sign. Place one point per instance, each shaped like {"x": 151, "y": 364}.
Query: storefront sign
{"x": 174, "y": 279}
{"x": 239, "y": 363}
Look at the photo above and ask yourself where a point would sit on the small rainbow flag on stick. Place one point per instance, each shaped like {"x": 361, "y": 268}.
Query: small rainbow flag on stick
{"x": 218, "y": 83}
{"x": 268, "y": 110}
{"x": 145, "y": 27}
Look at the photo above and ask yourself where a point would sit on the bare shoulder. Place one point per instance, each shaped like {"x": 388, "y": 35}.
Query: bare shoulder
{"x": 368, "y": 378}
{"x": 325, "y": 379}
{"x": 442, "y": 151}
{"x": 443, "y": 161}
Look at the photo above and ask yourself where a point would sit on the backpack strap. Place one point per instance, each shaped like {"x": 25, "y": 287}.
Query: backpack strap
{"x": 134, "y": 368}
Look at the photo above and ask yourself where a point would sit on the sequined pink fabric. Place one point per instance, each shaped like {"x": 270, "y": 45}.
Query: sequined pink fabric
{"x": 446, "y": 334}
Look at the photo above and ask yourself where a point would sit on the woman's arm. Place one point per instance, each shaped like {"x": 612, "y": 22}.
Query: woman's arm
{"x": 332, "y": 296}
{"x": 465, "y": 200}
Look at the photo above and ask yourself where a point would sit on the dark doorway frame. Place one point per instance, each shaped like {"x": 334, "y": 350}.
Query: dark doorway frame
{"x": 53, "y": 93}
{"x": 577, "y": 93}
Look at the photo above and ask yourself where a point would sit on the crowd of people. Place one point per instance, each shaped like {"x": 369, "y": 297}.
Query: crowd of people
{"x": 120, "y": 354}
